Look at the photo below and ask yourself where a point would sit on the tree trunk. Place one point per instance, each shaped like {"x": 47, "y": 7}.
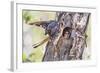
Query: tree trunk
{"x": 78, "y": 22}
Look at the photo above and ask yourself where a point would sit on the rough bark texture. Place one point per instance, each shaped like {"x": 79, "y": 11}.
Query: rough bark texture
{"x": 78, "y": 23}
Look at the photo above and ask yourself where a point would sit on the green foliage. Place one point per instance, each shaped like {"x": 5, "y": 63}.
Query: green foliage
{"x": 36, "y": 56}
{"x": 27, "y": 16}
{"x": 24, "y": 57}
